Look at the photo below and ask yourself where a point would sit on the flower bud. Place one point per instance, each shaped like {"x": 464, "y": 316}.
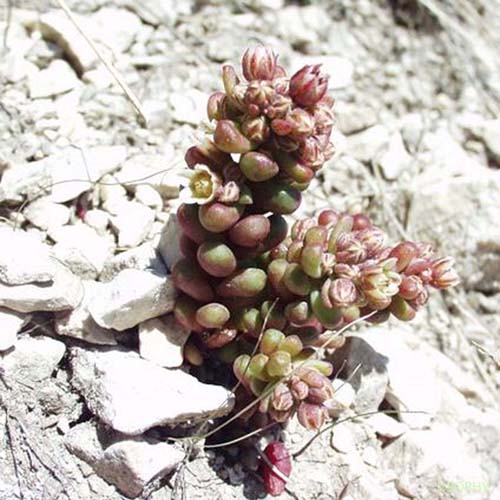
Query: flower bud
{"x": 244, "y": 283}
{"x": 185, "y": 313}
{"x": 213, "y": 315}
{"x": 281, "y": 127}
{"x": 258, "y": 167}
{"x": 217, "y": 259}
{"x": 217, "y": 217}
{"x": 279, "y": 364}
{"x": 302, "y": 123}
{"x": 299, "y": 389}
{"x": 296, "y": 280}
{"x": 280, "y": 416}
{"x": 214, "y": 105}
{"x": 410, "y": 287}
{"x": 343, "y": 292}
{"x": 311, "y": 416}
{"x": 281, "y": 398}
{"x": 256, "y": 130}
{"x": 404, "y": 253}
{"x": 271, "y": 340}
{"x": 443, "y": 274}
{"x": 259, "y": 63}
{"x": 229, "y": 139}
{"x": 191, "y": 280}
{"x": 308, "y": 85}
{"x": 229, "y": 79}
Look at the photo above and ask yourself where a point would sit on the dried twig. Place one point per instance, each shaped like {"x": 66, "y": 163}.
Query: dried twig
{"x": 109, "y": 66}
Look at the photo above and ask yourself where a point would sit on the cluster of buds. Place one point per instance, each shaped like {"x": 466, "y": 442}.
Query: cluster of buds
{"x": 336, "y": 268}
{"x": 287, "y": 378}
{"x": 248, "y": 289}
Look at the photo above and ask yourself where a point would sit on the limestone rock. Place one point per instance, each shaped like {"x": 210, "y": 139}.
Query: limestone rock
{"x": 64, "y": 175}
{"x": 57, "y": 79}
{"x": 144, "y": 257}
{"x": 394, "y": 159}
{"x": 132, "y": 395}
{"x": 461, "y": 213}
{"x": 365, "y": 145}
{"x": 79, "y": 323}
{"x": 131, "y": 297}
{"x": 353, "y": 118}
{"x": 46, "y": 214}
{"x": 161, "y": 340}
{"x": 11, "y": 323}
{"x": 33, "y": 359}
{"x": 169, "y": 242}
{"x": 132, "y": 223}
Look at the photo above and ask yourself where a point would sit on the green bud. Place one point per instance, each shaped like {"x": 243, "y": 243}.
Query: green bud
{"x": 252, "y": 321}
{"x": 292, "y": 345}
{"x": 213, "y": 315}
{"x": 296, "y": 280}
{"x": 258, "y": 167}
{"x": 187, "y": 277}
{"x": 257, "y": 367}
{"x": 297, "y": 312}
{"x": 279, "y": 364}
{"x": 271, "y": 340}
{"x": 344, "y": 225}
{"x": 329, "y": 318}
{"x": 240, "y": 368}
{"x": 275, "y": 273}
{"x": 298, "y": 172}
{"x": 401, "y": 309}
{"x": 311, "y": 260}
{"x": 294, "y": 251}
{"x": 214, "y": 105}
{"x": 277, "y": 198}
{"x": 323, "y": 367}
{"x": 217, "y": 217}
{"x": 250, "y": 231}
{"x": 185, "y": 313}
{"x": 317, "y": 235}
{"x": 244, "y": 283}
{"x": 216, "y": 259}
{"x": 229, "y": 139}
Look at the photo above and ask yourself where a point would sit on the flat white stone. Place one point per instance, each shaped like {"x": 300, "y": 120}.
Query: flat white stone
{"x": 10, "y": 324}
{"x": 132, "y": 395}
{"x": 57, "y": 78}
{"x": 131, "y": 297}
{"x": 132, "y": 223}
{"x": 79, "y": 323}
{"x": 161, "y": 340}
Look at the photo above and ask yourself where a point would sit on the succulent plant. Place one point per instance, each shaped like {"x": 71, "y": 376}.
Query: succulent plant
{"x": 253, "y": 292}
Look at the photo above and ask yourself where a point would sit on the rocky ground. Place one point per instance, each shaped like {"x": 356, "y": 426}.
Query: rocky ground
{"x": 92, "y": 401}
